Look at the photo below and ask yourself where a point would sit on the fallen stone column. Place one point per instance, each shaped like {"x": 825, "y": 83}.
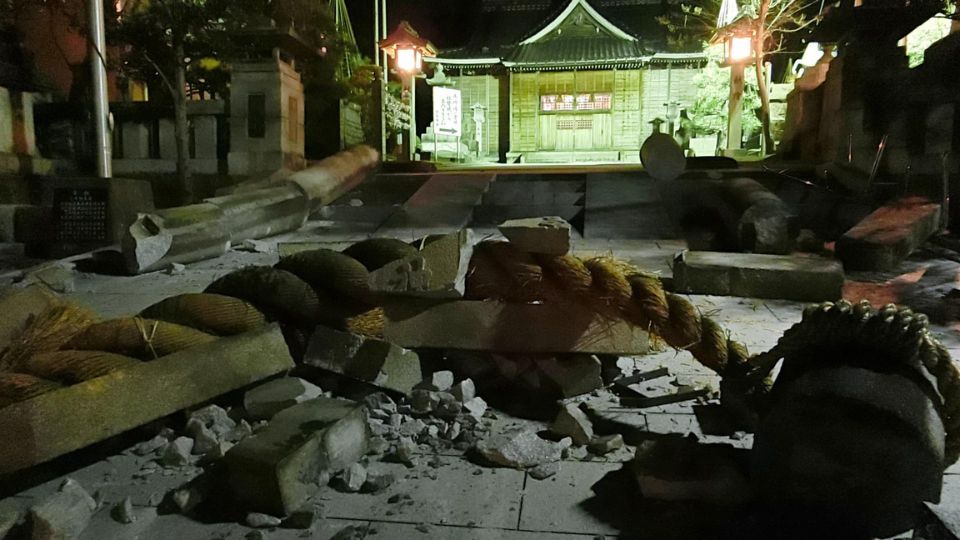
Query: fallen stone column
{"x": 192, "y": 233}
{"x": 760, "y": 221}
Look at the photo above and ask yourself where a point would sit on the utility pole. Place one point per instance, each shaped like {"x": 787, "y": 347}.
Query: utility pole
{"x": 101, "y": 106}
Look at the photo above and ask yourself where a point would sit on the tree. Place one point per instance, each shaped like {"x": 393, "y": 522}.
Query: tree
{"x": 174, "y": 42}
{"x": 775, "y": 24}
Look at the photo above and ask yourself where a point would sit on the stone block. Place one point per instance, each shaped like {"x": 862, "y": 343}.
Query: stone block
{"x": 275, "y": 470}
{"x": 889, "y": 234}
{"x": 266, "y": 400}
{"x": 809, "y": 279}
{"x": 572, "y": 422}
{"x": 123, "y": 400}
{"x": 548, "y": 235}
{"x": 64, "y": 515}
{"x": 438, "y": 271}
{"x": 494, "y": 326}
{"x": 371, "y": 360}
{"x": 573, "y": 374}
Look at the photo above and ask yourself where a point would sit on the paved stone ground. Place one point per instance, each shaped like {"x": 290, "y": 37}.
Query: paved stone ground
{"x": 457, "y": 499}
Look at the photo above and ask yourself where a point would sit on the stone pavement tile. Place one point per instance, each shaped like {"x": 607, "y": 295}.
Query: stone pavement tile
{"x": 176, "y": 526}
{"x": 557, "y": 503}
{"x": 950, "y": 496}
{"x": 456, "y": 497}
{"x": 406, "y": 531}
{"x": 109, "y": 305}
{"x": 683, "y": 424}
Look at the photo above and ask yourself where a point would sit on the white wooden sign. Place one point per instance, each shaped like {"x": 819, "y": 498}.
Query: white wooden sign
{"x": 446, "y": 111}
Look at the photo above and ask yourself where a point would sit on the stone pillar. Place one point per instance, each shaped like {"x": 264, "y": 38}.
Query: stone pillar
{"x": 168, "y": 139}
{"x": 136, "y": 140}
{"x": 266, "y": 118}
{"x": 6, "y": 122}
{"x": 205, "y": 136}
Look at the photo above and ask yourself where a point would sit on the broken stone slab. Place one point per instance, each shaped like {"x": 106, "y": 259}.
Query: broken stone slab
{"x": 682, "y": 469}
{"x": 548, "y": 235}
{"x": 266, "y": 400}
{"x": 807, "y": 278}
{"x": 521, "y": 449}
{"x": 572, "y": 422}
{"x": 123, "y": 400}
{"x": 573, "y": 374}
{"x": 59, "y": 277}
{"x": 371, "y": 360}
{"x": 64, "y": 514}
{"x": 275, "y": 470}
{"x": 502, "y": 327}
{"x": 439, "y": 271}
{"x": 889, "y": 234}
{"x": 176, "y": 235}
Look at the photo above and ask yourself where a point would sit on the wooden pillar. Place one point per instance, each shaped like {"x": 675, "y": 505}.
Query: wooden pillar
{"x": 735, "y": 108}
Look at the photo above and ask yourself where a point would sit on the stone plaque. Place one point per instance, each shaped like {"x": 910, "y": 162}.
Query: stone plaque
{"x": 82, "y": 215}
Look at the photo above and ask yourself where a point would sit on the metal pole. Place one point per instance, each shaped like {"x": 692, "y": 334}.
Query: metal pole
{"x": 101, "y": 107}
{"x": 376, "y": 32}
{"x": 413, "y": 116}
{"x": 383, "y": 82}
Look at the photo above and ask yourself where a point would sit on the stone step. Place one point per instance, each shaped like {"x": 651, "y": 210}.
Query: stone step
{"x": 805, "y": 279}
{"x": 889, "y": 235}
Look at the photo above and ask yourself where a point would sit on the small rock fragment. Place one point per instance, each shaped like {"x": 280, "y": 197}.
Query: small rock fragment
{"x": 476, "y": 407}
{"x": 545, "y": 470}
{"x": 177, "y": 452}
{"x": 353, "y": 477}
{"x": 64, "y": 514}
{"x": 378, "y": 446}
{"x": 266, "y": 400}
{"x": 123, "y": 512}
{"x": 406, "y": 450}
{"x": 449, "y": 406}
{"x": 439, "y": 381}
{"x": 412, "y": 428}
{"x": 520, "y": 448}
{"x": 151, "y": 446}
{"x": 351, "y": 532}
{"x": 573, "y": 422}
{"x": 215, "y": 419}
{"x": 464, "y": 390}
{"x": 378, "y": 401}
{"x": 606, "y": 444}
{"x": 204, "y": 440}
{"x": 377, "y": 482}
{"x": 155, "y": 499}
{"x": 175, "y": 269}
{"x": 578, "y": 453}
{"x": 452, "y": 431}
{"x": 261, "y": 521}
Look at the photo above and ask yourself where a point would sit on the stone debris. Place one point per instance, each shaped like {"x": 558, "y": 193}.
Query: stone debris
{"x": 262, "y": 521}
{"x": 521, "y": 449}
{"x": 545, "y": 470}
{"x": 266, "y": 400}
{"x": 351, "y": 532}
{"x": 151, "y": 446}
{"x": 424, "y": 401}
{"x": 64, "y": 514}
{"x": 439, "y": 381}
{"x": 275, "y": 470}
{"x": 123, "y": 512}
{"x": 378, "y": 401}
{"x": 376, "y": 483}
{"x": 573, "y": 422}
{"x": 578, "y": 453}
{"x": 177, "y": 452}
{"x": 204, "y": 440}
{"x": 449, "y": 406}
{"x": 406, "y": 450}
{"x": 438, "y": 271}
{"x": 216, "y": 419}
{"x": 549, "y": 235}
{"x": 155, "y": 499}
{"x": 188, "y": 498}
{"x": 464, "y": 390}
{"x": 378, "y": 446}
{"x": 476, "y": 407}
{"x": 606, "y": 444}
{"x": 353, "y": 477}
{"x": 573, "y": 374}
{"x": 175, "y": 269}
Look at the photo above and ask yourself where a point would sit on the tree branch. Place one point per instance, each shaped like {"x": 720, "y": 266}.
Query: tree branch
{"x": 163, "y": 76}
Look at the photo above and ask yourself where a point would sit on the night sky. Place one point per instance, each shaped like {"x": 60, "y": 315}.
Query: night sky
{"x": 446, "y": 23}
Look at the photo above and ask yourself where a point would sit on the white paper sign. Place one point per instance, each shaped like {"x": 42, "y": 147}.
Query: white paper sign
{"x": 446, "y": 111}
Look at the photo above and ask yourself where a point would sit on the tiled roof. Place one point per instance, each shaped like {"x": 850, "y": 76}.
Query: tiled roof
{"x": 603, "y": 50}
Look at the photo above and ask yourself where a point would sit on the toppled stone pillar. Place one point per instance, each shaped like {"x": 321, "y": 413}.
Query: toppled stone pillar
{"x": 763, "y": 222}
{"x": 202, "y": 231}
{"x": 366, "y": 359}
{"x": 889, "y": 234}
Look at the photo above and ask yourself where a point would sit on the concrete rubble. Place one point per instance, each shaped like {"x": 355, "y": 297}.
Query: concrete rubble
{"x": 521, "y": 448}
{"x": 376, "y": 361}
